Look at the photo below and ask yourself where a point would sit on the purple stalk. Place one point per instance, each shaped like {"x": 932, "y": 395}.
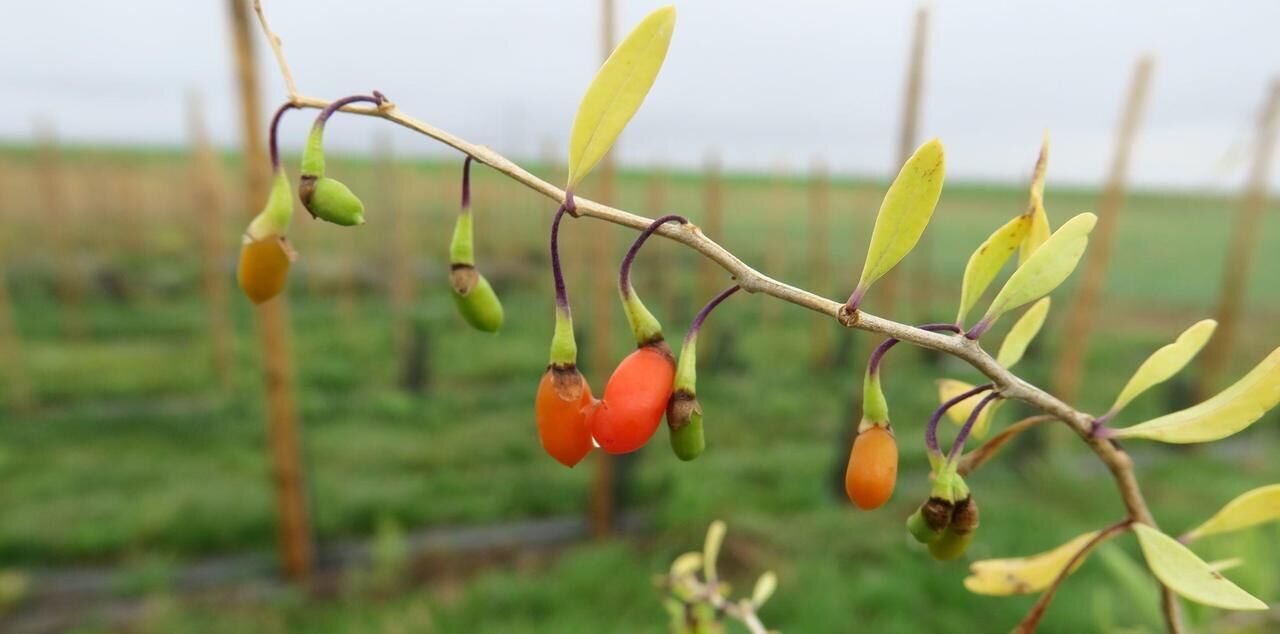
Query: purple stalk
{"x": 624, "y": 274}
{"x": 706, "y": 311}
{"x": 855, "y": 298}
{"x": 877, "y": 355}
{"x": 275, "y": 125}
{"x": 979, "y": 328}
{"x": 958, "y": 444}
{"x": 931, "y": 430}
{"x": 377, "y": 99}
{"x": 562, "y": 296}
{"x": 466, "y": 183}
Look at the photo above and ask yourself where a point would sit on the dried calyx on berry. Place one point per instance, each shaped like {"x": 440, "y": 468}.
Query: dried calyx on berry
{"x": 684, "y": 413}
{"x": 472, "y": 293}
{"x": 326, "y": 198}
{"x": 564, "y": 400}
{"x": 265, "y": 254}
{"x": 639, "y": 390}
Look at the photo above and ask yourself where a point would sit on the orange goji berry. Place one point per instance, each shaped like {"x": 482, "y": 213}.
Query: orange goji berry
{"x": 873, "y": 468}
{"x": 635, "y": 399}
{"x": 561, "y": 412}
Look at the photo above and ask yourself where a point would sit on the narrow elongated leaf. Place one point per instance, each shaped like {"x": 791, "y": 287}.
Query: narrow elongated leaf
{"x": 1038, "y": 230}
{"x": 986, "y": 262}
{"x": 1258, "y": 506}
{"x": 1188, "y": 575}
{"x": 1046, "y": 268}
{"x": 959, "y": 413}
{"x": 1024, "y": 575}
{"x": 617, "y": 91}
{"x": 905, "y": 211}
{"x": 1166, "y": 362}
{"x": 765, "y": 585}
{"x": 1232, "y": 410}
{"x": 1024, "y": 330}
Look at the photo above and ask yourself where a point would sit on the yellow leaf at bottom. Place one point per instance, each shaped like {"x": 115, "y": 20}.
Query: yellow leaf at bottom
{"x": 1024, "y": 575}
{"x": 1188, "y": 575}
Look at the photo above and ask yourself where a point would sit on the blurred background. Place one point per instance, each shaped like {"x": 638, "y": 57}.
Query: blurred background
{"x": 390, "y": 479}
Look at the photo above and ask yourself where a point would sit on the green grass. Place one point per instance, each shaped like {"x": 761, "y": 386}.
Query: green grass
{"x": 136, "y": 456}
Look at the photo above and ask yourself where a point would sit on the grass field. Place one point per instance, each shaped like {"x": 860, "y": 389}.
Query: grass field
{"x": 136, "y": 455}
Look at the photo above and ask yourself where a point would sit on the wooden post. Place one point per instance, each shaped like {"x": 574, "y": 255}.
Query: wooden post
{"x": 1083, "y": 308}
{"x": 603, "y": 295}
{"x": 209, "y": 201}
{"x": 1244, "y": 241}
{"x": 775, "y": 248}
{"x": 661, "y": 285}
{"x": 273, "y": 323}
{"x": 907, "y": 140}
{"x": 399, "y": 239}
{"x": 14, "y": 372}
{"x": 712, "y": 276}
{"x": 70, "y": 278}
{"x": 819, "y": 258}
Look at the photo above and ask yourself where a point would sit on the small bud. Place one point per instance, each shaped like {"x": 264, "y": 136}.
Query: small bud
{"x": 684, "y": 418}
{"x": 475, "y": 299}
{"x": 920, "y": 529}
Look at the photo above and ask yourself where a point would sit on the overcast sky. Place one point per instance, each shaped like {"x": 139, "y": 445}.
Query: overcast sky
{"x": 765, "y": 83}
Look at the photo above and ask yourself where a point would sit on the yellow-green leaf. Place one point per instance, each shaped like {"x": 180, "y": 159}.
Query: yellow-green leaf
{"x": 905, "y": 211}
{"x": 1038, "y": 230}
{"x": 1232, "y": 410}
{"x": 959, "y": 413}
{"x": 686, "y": 564}
{"x": 1188, "y": 575}
{"x": 1166, "y": 362}
{"x": 986, "y": 262}
{"x": 1046, "y": 268}
{"x": 1024, "y": 575}
{"x": 617, "y": 91}
{"x": 1258, "y": 506}
{"x": 1024, "y": 330}
{"x": 765, "y": 585}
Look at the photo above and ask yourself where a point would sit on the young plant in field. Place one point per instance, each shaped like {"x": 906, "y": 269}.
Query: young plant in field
{"x": 472, "y": 293}
{"x": 698, "y": 600}
{"x": 648, "y": 383}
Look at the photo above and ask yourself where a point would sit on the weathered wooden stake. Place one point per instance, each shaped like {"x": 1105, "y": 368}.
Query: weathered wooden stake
{"x": 209, "y": 201}
{"x": 663, "y": 252}
{"x": 1084, "y": 306}
{"x": 603, "y": 501}
{"x": 711, "y": 276}
{"x": 907, "y": 140}
{"x": 820, "y": 353}
{"x": 273, "y": 324}
{"x": 1244, "y": 241}
{"x": 400, "y": 232}
{"x": 11, "y": 358}
{"x": 71, "y": 283}
{"x": 775, "y": 248}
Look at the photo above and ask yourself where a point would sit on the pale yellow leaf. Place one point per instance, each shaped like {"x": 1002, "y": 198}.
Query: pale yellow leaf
{"x": 905, "y": 211}
{"x": 765, "y": 585}
{"x": 1024, "y": 575}
{"x": 986, "y": 262}
{"x": 1166, "y": 362}
{"x": 711, "y": 548}
{"x": 1232, "y": 410}
{"x": 1038, "y": 230}
{"x": 959, "y": 413}
{"x": 686, "y": 564}
{"x": 1024, "y": 330}
{"x": 1188, "y": 575}
{"x": 1258, "y": 506}
{"x": 1226, "y": 564}
{"x": 1046, "y": 268}
{"x": 617, "y": 91}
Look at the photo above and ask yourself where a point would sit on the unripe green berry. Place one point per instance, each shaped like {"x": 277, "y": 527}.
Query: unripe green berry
{"x": 919, "y": 528}
{"x": 331, "y": 201}
{"x": 684, "y": 418}
{"x": 476, "y": 300}
{"x": 951, "y": 545}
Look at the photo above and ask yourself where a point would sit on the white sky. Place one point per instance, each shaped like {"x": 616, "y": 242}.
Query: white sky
{"x": 765, "y": 83}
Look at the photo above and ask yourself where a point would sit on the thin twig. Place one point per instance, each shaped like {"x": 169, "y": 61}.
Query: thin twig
{"x": 276, "y": 50}
{"x": 709, "y": 593}
{"x": 1008, "y": 384}
{"x": 1032, "y": 620}
{"x": 974, "y": 459}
